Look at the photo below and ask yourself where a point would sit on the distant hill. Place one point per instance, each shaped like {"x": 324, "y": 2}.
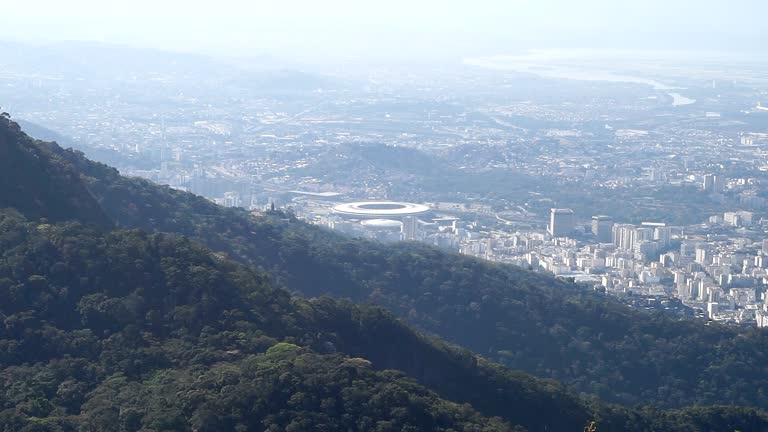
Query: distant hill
{"x": 343, "y": 163}
{"x": 142, "y": 330}
{"x": 106, "y": 155}
{"x": 77, "y": 58}
{"x": 42, "y": 133}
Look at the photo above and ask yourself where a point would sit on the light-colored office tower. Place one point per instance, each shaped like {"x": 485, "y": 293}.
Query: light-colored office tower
{"x": 602, "y": 228}
{"x": 643, "y": 233}
{"x": 623, "y": 236}
{"x": 561, "y": 222}
{"x": 661, "y": 232}
{"x": 738, "y": 219}
{"x": 703, "y": 256}
{"x": 410, "y": 228}
{"x": 232, "y": 199}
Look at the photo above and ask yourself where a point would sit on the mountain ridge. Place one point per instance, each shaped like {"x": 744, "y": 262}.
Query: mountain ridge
{"x": 526, "y": 320}
{"x": 121, "y": 324}
{"x": 62, "y": 192}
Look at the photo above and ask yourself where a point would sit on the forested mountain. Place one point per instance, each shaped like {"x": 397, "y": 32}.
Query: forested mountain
{"x": 36, "y": 180}
{"x": 525, "y": 320}
{"x": 128, "y": 331}
{"x": 124, "y": 330}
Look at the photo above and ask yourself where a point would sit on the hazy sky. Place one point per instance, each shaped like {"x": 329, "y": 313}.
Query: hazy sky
{"x": 392, "y": 27}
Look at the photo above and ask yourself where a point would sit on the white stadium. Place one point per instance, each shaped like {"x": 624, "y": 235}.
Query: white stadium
{"x": 380, "y": 210}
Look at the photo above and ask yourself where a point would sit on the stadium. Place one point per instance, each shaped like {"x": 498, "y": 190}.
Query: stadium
{"x": 380, "y": 210}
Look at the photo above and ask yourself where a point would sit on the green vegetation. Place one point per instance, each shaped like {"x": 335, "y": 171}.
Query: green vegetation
{"x": 36, "y": 180}
{"x": 129, "y": 330}
{"x": 526, "y": 321}
{"x": 104, "y": 331}
{"x": 123, "y": 331}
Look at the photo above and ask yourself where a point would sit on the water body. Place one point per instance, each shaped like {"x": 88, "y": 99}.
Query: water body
{"x": 525, "y": 64}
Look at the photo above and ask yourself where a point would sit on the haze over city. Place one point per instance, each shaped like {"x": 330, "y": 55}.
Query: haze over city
{"x": 392, "y": 30}
{"x": 402, "y": 216}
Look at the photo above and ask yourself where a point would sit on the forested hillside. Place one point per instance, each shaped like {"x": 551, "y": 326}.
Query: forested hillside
{"x": 36, "y": 180}
{"x": 125, "y": 330}
{"x": 128, "y": 329}
{"x": 525, "y": 320}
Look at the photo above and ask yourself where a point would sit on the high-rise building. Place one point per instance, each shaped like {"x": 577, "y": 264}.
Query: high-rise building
{"x": 709, "y": 182}
{"x": 739, "y": 218}
{"x": 602, "y": 228}
{"x": 662, "y": 235}
{"x": 661, "y": 232}
{"x": 719, "y": 183}
{"x": 703, "y": 256}
{"x": 624, "y": 236}
{"x": 714, "y": 183}
{"x": 232, "y": 199}
{"x": 561, "y": 222}
{"x": 644, "y": 249}
{"x": 410, "y": 228}
{"x": 642, "y": 233}
{"x": 713, "y": 309}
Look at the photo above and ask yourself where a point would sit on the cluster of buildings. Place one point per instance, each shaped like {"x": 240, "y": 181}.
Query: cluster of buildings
{"x": 719, "y": 269}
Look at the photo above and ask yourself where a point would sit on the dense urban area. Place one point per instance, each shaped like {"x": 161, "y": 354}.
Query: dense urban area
{"x": 647, "y": 184}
